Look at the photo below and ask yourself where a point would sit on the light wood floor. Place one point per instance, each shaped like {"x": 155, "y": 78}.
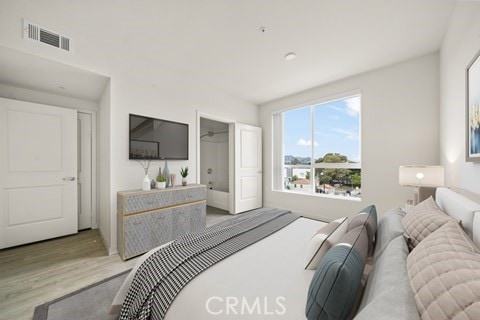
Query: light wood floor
{"x": 37, "y": 273}
{"x": 33, "y": 274}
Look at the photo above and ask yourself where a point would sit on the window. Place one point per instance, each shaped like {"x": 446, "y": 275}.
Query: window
{"x": 317, "y": 149}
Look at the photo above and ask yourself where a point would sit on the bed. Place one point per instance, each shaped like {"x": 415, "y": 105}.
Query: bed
{"x": 271, "y": 278}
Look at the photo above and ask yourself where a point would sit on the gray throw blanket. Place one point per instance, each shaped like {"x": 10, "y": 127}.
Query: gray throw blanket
{"x": 163, "y": 275}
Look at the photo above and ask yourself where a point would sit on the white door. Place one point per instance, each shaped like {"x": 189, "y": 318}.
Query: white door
{"x": 38, "y": 168}
{"x": 84, "y": 166}
{"x": 248, "y": 167}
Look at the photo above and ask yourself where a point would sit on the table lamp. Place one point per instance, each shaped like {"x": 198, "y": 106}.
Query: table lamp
{"x": 421, "y": 176}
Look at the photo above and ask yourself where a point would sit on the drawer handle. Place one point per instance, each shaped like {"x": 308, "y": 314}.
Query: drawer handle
{"x": 137, "y": 222}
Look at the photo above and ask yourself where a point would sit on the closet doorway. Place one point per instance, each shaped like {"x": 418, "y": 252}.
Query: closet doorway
{"x": 86, "y": 153}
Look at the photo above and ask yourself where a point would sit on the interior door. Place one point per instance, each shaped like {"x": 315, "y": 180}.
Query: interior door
{"x": 84, "y": 166}
{"x": 38, "y": 168}
{"x": 248, "y": 167}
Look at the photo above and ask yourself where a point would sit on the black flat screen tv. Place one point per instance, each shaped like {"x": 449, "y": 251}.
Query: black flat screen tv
{"x": 157, "y": 139}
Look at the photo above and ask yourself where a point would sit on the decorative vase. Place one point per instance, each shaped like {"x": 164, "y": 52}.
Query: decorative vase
{"x": 173, "y": 177}
{"x": 146, "y": 183}
{"x": 184, "y": 181}
{"x": 161, "y": 185}
{"x": 166, "y": 174}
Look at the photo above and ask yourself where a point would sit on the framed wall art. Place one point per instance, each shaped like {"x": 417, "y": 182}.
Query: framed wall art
{"x": 472, "y": 111}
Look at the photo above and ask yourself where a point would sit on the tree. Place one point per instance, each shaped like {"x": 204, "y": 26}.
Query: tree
{"x": 307, "y": 176}
{"x": 356, "y": 179}
{"x": 294, "y": 178}
{"x": 341, "y": 176}
{"x": 295, "y": 161}
{"x": 332, "y": 158}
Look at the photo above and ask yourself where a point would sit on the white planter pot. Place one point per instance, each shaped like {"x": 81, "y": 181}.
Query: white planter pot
{"x": 161, "y": 185}
{"x": 184, "y": 181}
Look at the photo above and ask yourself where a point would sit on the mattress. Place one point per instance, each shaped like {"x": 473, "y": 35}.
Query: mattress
{"x": 265, "y": 279}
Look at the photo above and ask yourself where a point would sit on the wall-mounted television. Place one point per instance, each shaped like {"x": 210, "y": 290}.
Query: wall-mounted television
{"x": 157, "y": 139}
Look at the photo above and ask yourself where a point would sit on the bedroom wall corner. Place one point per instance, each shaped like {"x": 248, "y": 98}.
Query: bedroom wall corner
{"x": 461, "y": 43}
{"x": 103, "y": 172}
{"x": 399, "y": 126}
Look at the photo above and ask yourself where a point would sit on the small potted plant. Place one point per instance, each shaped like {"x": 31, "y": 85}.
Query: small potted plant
{"x": 184, "y": 174}
{"x": 161, "y": 182}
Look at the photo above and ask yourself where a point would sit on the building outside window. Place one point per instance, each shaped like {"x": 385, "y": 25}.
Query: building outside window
{"x": 317, "y": 149}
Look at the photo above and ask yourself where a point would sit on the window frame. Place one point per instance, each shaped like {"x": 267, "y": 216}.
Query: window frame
{"x": 278, "y": 154}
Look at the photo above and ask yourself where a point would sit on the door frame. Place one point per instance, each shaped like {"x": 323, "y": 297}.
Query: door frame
{"x": 231, "y": 154}
{"x": 93, "y": 115}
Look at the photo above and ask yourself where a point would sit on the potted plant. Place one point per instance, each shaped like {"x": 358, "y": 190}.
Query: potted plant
{"x": 184, "y": 174}
{"x": 161, "y": 182}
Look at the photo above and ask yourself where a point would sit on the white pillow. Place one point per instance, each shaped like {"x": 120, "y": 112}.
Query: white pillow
{"x": 323, "y": 240}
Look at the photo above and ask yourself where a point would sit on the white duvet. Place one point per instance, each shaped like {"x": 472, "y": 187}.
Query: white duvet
{"x": 266, "y": 280}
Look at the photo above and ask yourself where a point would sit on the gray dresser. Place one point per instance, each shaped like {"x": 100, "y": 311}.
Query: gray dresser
{"x": 148, "y": 219}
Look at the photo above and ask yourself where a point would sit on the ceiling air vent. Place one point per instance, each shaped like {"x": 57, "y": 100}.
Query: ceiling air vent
{"x": 40, "y": 34}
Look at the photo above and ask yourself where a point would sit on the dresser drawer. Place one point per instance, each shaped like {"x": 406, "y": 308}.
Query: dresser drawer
{"x": 146, "y": 231}
{"x": 139, "y": 202}
{"x": 189, "y": 218}
{"x": 148, "y": 219}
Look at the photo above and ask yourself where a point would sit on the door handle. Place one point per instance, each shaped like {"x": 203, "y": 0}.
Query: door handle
{"x": 259, "y": 171}
{"x": 69, "y": 179}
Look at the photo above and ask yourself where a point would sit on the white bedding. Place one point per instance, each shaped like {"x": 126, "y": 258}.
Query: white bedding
{"x": 267, "y": 279}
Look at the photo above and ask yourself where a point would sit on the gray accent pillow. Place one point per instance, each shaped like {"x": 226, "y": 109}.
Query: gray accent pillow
{"x": 388, "y": 295}
{"x": 334, "y": 285}
{"x": 389, "y": 227}
{"x": 368, "y": 218}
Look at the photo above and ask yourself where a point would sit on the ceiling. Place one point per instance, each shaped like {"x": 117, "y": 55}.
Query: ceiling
{"x": 219, "y": 43}
{"x": 32, "y": 72}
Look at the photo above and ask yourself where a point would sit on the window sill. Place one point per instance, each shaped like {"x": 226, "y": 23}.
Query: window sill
{"x": 321, "y": 195}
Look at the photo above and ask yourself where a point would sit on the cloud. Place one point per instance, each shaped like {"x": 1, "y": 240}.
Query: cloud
{"x": 353, "y": 106}
{"x": 350, "y": 135}
{"x": 336, "y": 108}
{"x": 305, "y": 143}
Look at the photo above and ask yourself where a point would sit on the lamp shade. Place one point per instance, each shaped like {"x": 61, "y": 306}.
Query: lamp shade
{"x": 414, "y": 176}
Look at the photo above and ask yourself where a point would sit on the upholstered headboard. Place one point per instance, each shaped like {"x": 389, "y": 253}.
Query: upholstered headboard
{"x": 462, "y": 206}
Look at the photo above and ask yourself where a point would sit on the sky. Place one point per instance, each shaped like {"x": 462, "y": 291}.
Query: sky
{"x": 336, "y": 129}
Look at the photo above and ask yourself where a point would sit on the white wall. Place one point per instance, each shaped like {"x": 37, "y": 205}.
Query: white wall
{"x": 105, "y": 223}
{"x": 139, "y": 84}
{"x": 214, "y": 155}
{"x": 399, "y": 126}
{"x": 16, "y": 93}
{"x": 176, "y": 101}
{"x": 460, "y": 45}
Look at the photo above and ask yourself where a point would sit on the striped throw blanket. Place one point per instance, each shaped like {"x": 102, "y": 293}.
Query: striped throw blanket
{"x": 163, "y": 275}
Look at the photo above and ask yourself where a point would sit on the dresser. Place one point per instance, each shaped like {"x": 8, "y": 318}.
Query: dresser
{"x": 148, "y": 219}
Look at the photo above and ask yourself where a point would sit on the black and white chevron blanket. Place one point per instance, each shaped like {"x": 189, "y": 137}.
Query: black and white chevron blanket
{"x": 163, "y": 275}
